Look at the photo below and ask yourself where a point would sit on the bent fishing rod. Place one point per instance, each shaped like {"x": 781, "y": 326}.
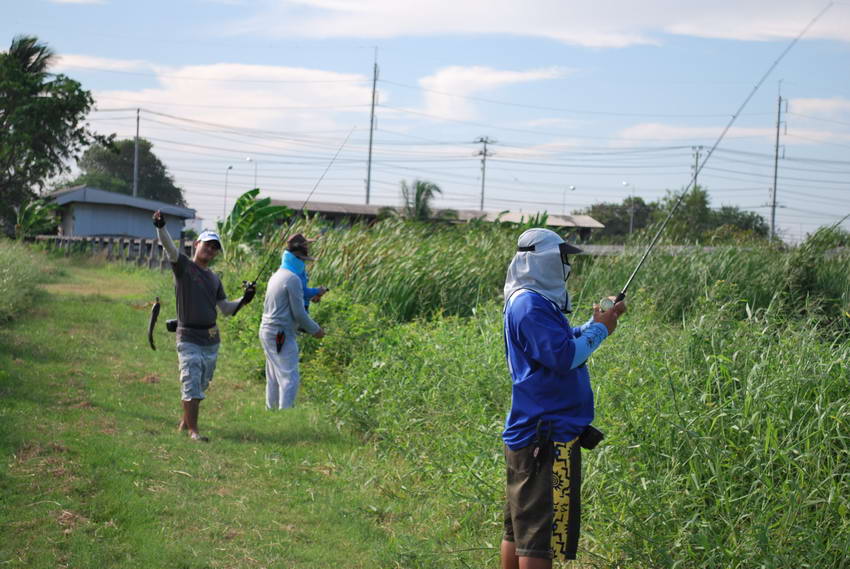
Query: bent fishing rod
{"x": 285, "y": 232}
{"x": 606, "y": 303}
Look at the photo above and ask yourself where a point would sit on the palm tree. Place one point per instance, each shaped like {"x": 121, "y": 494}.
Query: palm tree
{"x": 417, "y": 199}
{"x": 32, "y": 57}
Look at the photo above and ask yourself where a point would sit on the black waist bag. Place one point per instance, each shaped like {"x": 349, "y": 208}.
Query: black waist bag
{"x": 590, "y": 437}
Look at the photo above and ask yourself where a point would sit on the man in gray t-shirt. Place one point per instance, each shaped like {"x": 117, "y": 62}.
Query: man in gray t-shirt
{"x": 199, "y": 292}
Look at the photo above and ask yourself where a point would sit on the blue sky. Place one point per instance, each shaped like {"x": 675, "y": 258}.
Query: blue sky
{"x": 606, "y": 97}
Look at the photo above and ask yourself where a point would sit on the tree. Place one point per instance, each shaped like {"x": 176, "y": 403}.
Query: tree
{"x": 110, "y": 167}
{"x": 615, "y": 217}
{"x": 696, "y": 221}
{"x": 742, "y": 220}
{"x": 691, "y": 220}
{"x": 41, "y": 123}
{"x": 417, "y": 198}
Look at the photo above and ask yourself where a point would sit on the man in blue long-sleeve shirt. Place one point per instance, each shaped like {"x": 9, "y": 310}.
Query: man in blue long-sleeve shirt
{"x": 551, "y": 402}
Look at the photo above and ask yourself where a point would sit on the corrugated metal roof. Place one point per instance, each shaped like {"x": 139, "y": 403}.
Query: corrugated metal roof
{"x": 553, "y": 220}
{"x": 331, "y": 207}
{"x": 88, "y": 194}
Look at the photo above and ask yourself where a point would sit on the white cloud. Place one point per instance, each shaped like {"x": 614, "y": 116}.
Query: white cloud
{"x": 659, "y": 131}
{"x": 668, "y": 132}
{"x": 75, "y": 61}
{"x": 257, "y": 96}
{"x": 290, "y": 120}
{"x": 616, "y": 23}
{"x": 829, "y": 107}
{"x": 552, "y": 122}
{"x": 445, "y": 89}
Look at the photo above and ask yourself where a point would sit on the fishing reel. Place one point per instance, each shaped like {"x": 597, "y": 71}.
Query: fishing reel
{"x": 607, "y": 303}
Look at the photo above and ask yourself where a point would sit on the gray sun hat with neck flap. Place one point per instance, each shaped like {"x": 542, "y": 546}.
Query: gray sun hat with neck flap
{"x": 540, "y": 265}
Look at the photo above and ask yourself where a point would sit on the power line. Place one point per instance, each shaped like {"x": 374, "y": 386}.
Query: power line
{"x": 818, "y": 118}
{"x": 539, "y": 132}
{"x": 559, "y": 109}
{"x": 238, "y": 107}
{"x": 217, "y": 79}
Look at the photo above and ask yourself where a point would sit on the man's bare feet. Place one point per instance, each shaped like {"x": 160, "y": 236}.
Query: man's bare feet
{"x": 196, "y": 436}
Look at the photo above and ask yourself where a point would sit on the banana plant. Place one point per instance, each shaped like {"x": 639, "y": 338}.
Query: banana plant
{"x": 249, "y": 221}
{"x": 35, "y": 217}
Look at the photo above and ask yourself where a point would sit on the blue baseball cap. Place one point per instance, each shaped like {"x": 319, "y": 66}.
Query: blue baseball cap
{"x": 208, "y": 235}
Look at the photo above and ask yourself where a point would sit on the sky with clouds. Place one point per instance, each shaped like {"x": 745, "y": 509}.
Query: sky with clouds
{"x": 583, "y": 101}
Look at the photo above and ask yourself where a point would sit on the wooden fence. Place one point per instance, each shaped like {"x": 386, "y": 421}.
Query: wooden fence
{"x": 128, "y": 249}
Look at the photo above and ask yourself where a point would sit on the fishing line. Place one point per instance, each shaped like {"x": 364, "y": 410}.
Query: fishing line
{"x": 303, "y": 205}
{"x": 607, "y": 303}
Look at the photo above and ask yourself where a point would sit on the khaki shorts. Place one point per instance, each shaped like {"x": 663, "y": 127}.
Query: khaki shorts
{"x": 543, "y": 506}
{"x": 197, "y": 365}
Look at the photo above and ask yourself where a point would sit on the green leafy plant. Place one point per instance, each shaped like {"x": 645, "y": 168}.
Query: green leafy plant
{"x": 34, "y": 217}
{"x": 250, "y": 221}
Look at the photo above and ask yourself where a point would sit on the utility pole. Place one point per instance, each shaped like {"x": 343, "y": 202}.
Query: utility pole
{"x": 483, "y": 154}
{"x": 136, "y": 159}
{"x": 371, "y": 128}
{"x": 775, "y": 169}
{"x": 224, "y": 208}
{"x": 631, "y": 206}
{"x": 697, "y": 155}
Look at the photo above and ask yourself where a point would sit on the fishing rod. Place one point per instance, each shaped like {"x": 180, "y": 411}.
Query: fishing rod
{"x": 606, "y": 303}
{"x": 264, "y": 268}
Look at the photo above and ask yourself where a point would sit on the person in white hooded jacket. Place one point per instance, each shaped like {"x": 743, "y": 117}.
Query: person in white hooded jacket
{"x": 551, "y": 402}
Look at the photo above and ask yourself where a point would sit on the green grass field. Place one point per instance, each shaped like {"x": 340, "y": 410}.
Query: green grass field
{"x": 94, "y": 473}
{"x": 723, "y": 395}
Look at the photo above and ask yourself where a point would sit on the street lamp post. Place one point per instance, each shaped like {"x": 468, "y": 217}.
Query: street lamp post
{"x": 224, "y": 209}
{"x": 249, "y": 159}
{"x": 631, "y": 207}
{"x": 564, "y": 199}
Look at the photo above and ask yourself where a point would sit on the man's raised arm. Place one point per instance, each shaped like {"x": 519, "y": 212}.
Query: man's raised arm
{"x": 164, "y": 238}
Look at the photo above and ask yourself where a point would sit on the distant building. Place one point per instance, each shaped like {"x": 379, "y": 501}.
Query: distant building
{"x": 87, "y": 212}
{"x": 337, "y": 213}
{"x": 346, "y": 213}
{"x": 575, "y": 226}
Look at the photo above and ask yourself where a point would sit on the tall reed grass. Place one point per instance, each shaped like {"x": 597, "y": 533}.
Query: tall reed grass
{"x": 723, "y": 394}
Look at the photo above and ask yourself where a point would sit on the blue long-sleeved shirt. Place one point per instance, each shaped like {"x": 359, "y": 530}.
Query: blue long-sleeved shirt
{"x": 297, "y": 266}
{"x": 546, "y": 359}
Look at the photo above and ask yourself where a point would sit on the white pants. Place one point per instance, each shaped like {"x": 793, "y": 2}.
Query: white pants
{"x": 282, "y": 377}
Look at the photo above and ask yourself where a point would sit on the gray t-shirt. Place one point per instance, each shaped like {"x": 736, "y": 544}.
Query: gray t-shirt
{"x": 197, "y": 290}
